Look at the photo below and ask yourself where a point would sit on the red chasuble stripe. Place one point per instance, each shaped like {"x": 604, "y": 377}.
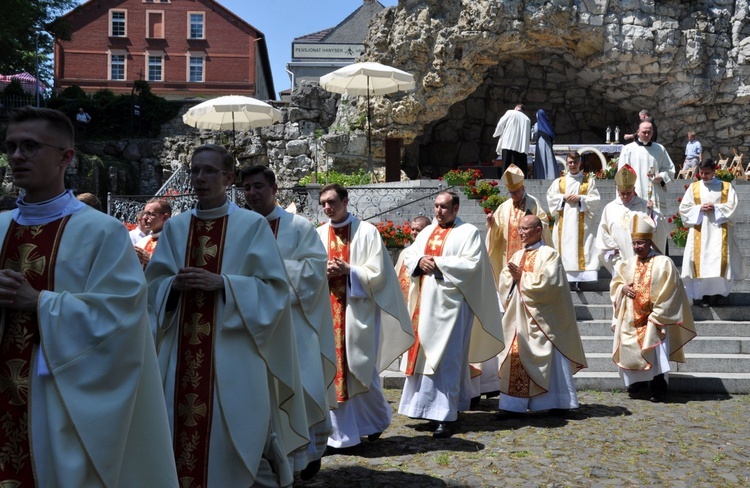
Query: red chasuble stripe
{"x": 338, "y": 247}
{"x": 434, "y": 247}
{"x": 275, "y": 226}
{"x": 194, "y": 384}
{"x": 31, "y": 250}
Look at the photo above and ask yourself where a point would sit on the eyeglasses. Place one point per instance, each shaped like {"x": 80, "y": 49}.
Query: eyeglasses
{"x": 151, "y": 214}
{"x": 28, "y": 148}
{"x": 207, "y": 171}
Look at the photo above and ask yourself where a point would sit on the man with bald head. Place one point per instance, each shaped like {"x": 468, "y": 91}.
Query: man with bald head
{"x": 652, "y": 165}
{"x": 544, "y": 347}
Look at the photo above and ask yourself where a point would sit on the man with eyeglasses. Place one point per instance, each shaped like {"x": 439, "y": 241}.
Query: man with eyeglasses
{"x": 613, "y": 235}
{"x": 219, "y": 291}
{"x": 80, "y": 393}
{"x": 155, "y": 215}
{"x": 544, "y": 348}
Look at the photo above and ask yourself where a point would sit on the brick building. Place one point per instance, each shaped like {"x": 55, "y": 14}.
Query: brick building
{"x": 183, "y": 48}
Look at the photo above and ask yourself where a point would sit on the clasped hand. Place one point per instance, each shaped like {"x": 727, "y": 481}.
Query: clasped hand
{"x": 628, "y": 291}
{"x": 197, "y": 279}
{"x": 337, "y": 267}
{"x": 515, "y": 271}
{"x": 16, "y": 292}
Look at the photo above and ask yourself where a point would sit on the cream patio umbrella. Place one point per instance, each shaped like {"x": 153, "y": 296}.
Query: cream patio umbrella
{"x": 232, "y": 112}
{"x": 367, "y": 79}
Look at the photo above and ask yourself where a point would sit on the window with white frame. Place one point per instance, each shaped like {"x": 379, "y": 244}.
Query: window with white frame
{"x": 117, "y": 66}
{"x": 196, "y": 68}
{"x": 196, "y": 25}
{"x": 118, "y": 23}
{"x": 155, "y": 68}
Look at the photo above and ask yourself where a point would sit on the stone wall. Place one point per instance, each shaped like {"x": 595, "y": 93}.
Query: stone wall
{"x": 588, "y": 63}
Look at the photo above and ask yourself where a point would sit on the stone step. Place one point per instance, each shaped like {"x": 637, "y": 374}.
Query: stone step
{"x": 730, "y": 313}
{"x": 732, "y": 383}
{"x": 694, "y": 363}
{"x": 602, "y": 297}
{"x": 706, "y": 328}
{"x": 725, "y": 383}
{"x": 699, "y": 345}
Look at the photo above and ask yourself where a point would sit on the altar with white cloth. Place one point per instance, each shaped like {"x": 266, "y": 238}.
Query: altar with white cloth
{"x": 600, "y": 154}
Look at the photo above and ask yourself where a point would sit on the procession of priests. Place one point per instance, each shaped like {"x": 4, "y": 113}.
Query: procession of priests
{"x": 251, "y": 343}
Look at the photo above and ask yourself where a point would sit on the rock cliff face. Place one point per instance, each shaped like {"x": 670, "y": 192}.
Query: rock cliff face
{"x": 587, "y": 63}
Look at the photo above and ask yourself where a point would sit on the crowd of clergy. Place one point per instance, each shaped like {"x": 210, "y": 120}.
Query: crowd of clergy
{"x": 235, "y": 346}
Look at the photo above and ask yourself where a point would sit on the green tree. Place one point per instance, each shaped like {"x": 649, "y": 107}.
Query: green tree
{"x": 27, "y": 26}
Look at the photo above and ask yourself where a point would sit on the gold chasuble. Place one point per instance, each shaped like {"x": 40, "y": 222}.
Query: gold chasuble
{"x": 195, "y": 356}
{"x": 30, "y": 250}
{"x": 434, "y": 247}
{"x": 697, "y": 238}
{"x": 339, "y": 247}
{"x": 582, "y": 190}
{"x": 519, "y": 381}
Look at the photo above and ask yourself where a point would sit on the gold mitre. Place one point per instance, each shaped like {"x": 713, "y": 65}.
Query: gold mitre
{"x": 513, "y": 178}
{"x": 643, "y": 228}
{"x": 625, "y": 178}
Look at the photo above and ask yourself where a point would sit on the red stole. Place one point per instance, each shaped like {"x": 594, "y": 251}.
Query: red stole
{"x": 338, "y": 247}
{"x": 274, "y": 226}
{"x": 31, "y": 250}
{"x": 519, "y": 383}
{"x": 434, "y": 247}
{"x": 194, "y": 384}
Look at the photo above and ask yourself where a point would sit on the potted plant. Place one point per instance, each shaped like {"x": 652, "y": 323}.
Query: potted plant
{"x": 394, "y": 235}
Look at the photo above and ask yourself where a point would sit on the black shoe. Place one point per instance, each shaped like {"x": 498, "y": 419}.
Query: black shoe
{"x": 444, "y": 430}
{"x": 658, "y": 389}
{"x": 704, "y": 302}
{"x": 508, "y": 415}
{"x": 310, "y": 470}
{"x": 492, "y": 394}
{"x": 374, "y": 437}
{"x": 474, "y": 403}
{"x": 636, "y": 388}
{"x": 575, "y": 286}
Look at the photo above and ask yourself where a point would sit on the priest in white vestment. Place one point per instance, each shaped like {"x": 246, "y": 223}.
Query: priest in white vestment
{"x": 544, "y": 348}
{"x": 652, "y": 320}
{"x": 370, "y": 319}
{"x": 455, "y": 316}
{"x": 514, "y": 131}
{"x": 652, "y": 164}
{"x": 305, "y": 259}
{"x": 573, "y": 201}
{"x": 227, "y": 351}
{"x": 81, "y": 398}
{"x": 712, "y": 260}
{"x": 613, "y": 235}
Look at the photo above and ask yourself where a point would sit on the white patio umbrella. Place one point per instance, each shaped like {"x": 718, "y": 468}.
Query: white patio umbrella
{"x": 232, "y": 112}
{"x": 367, "y": 79}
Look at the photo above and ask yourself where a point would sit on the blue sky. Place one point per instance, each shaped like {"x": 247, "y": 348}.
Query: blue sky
{"x": 283, "y": 20}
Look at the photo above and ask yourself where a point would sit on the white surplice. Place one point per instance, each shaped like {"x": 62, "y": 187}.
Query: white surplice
{"x": 514, "y": 131}
{"x": 97, "y": 407}
{"x": 259, "y": 408}
{"x": 459, "y": 322}
{"x": 711, "y": 266}
{"x": 378, "y": 330}
{"x": 650, "y": 160}
{"x": 616, "y": 225}
{"x": 579, "y": 256}
{"x": 306, "y": 260}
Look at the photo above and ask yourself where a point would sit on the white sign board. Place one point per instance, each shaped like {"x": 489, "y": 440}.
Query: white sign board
{"x": 322, "y": 50}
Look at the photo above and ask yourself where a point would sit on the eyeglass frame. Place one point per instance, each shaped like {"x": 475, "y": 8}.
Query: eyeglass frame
{"x": 9, "y": 151}
{"x": 153, "y": 214}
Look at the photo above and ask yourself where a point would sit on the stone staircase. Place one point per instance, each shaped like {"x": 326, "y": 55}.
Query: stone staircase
{"x": 717, "y": 361}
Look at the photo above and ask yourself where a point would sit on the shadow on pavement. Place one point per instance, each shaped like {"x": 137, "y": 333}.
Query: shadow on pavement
{"x": 363, "y": 477}
{"x": 401, "y": 445}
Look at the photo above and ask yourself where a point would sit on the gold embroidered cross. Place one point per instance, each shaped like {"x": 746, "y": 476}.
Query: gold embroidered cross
{"x": 13, "y": 378}
{"x": 191, "y": 410}
{"x": 28, "y": 260}
{"x": 203, "y": 249}
{"x": 196, "y": 328}
{"x": 435, "y": 242}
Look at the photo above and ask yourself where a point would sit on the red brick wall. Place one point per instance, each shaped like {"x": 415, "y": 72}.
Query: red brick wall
{"x": 229, "y": 46}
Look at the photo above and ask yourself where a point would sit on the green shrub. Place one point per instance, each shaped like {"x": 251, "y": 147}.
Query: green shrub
{"x": 362, "y": 177}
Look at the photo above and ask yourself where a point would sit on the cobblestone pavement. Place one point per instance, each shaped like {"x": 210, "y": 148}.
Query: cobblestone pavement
{"x": 612, "y": 440}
